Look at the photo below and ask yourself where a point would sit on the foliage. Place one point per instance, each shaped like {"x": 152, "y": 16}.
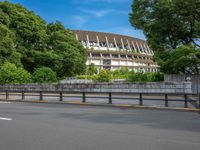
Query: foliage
{"x": 145, "y": 77}
{"x": 92, "y": 69}
{"x": 27, "y": 41}
{"x": 185, "y": 59}
{"x": 44, "y": 75}
{"x": 7, "y": 48}
{"x": 167, "y": 24}
{"x": 9, "y": 73}
{"x": 121, "y": 73}
{"x": 104, "y": 76}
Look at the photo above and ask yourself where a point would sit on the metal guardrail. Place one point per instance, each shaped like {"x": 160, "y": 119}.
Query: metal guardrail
{"x": 140, "y": 97}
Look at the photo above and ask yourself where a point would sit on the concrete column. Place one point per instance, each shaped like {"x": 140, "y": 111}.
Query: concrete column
{"x": 129, "y": 45}
{"x": 88, "y": 41}
{"x": 143, "y": 48}
{"x": 146, "y": 49}
{"x": 122, "y": 44}
{"x": 116, "y": 44}
{"x": 138, "y": 47}
{"x": 135, "y": 49}
{"x": 76, "y": 36}
{"x": 107, "y": 43}
{"x": 151, "y": 52}
{"x": 98, "y": 42}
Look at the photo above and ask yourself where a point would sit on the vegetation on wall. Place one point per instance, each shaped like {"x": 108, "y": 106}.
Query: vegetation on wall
{"x": 124, "y": 74}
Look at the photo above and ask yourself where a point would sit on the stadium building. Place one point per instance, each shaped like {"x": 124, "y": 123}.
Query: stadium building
{"x": 112, "y": 51}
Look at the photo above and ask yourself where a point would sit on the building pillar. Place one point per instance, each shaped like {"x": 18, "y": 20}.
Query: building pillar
{"x": 135, "y": 49}
{"x": 122, "y": 45}
{"x": 129, "y": 45}
{"x": 98, "y": 42}
{"x": 88, "y": 41}
{"x": 107, "y": 43}
{"x": 116, "y": 44}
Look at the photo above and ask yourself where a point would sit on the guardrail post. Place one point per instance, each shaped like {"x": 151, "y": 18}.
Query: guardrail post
{"x": 7, "y": 95}
{"x": 110, "y": 98}
{"x": 23, "y": 95}
{"x": 84, "y": 99}
{"x": 166, "y": 100}
{"x": 199, "y": 101}
{"x": 61, "y": 96}
{"x": 141, "y": 102}
{"x": 41, "y": 96}
{"x": 186, "y": 102}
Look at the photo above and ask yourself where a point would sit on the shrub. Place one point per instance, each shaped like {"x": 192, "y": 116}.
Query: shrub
{"x": 104, "y": 76}
{"x": 9, "y": 73}
{"x": 44, "y": 75}
{"x": 158, "y": 76}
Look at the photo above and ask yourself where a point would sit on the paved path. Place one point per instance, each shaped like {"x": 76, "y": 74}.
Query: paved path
{"x": 63, "y": 127}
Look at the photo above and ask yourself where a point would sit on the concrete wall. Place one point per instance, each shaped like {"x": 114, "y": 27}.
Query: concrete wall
{"x": 195, "y": 79}
{"x": 167, "y": 87}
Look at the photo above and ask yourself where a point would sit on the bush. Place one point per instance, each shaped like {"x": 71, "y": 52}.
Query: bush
{"x": 9, "y": 73}
{"x": 104, "y": 76}
{"x": 146, "y": 77}
{"x": 158, "y": 76}
{"x": 44, "y": 75}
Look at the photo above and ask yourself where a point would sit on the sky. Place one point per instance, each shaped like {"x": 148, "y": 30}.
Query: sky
{"x": 93, "y": 15}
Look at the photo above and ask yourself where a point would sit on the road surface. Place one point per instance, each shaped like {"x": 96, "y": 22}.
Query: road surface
{"x": 27, "y": 126}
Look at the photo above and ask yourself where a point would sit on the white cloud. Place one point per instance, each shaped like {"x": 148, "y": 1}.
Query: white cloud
{"x": 102, "y": 13}
{"x": 96, "y": 13}
{"x": 101, "y": 1}
{"x": 78, "y": 21}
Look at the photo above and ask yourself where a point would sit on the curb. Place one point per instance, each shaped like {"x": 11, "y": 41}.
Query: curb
{"x": 124, "y": 106}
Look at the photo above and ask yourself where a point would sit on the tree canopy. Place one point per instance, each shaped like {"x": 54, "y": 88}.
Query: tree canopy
{"x": 44, "y": 75}
{"x": 167, "y": 24}
{"x": 172, "y": 29}
{"x": 28, "y": 41}
{"x": 9, "y": 73}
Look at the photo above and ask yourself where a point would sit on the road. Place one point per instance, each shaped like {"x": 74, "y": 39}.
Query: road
{"x": 65, "y": 127}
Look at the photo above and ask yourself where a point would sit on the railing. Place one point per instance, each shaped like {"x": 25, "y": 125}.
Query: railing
{"x": 140, "y": 98}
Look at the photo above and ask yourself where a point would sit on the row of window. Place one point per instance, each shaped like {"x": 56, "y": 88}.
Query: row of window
{"x": 119, "y": 56}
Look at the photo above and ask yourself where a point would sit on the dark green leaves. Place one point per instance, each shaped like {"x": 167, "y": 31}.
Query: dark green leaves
{"x": 25, "y": 39}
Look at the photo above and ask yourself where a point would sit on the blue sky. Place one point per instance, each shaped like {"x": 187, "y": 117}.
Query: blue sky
{"x": 95, "y": 15}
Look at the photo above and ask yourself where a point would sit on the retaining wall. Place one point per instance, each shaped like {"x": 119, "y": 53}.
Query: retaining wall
{"x": 152, "y": 87}
{"x": 195, "y": 79}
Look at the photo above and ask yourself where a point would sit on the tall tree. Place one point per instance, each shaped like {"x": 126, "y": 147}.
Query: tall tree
{"x": 37, "y": 44}
{"x": 167, "y": 24}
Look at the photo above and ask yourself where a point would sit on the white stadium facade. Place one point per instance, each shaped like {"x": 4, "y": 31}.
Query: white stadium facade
{"x": 112, "y": 51}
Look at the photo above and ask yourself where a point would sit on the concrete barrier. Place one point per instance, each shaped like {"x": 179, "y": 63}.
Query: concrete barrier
{"x": 148, "y": 87}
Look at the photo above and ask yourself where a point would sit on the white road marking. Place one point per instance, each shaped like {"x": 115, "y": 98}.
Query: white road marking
{"x": 7, "y": 119}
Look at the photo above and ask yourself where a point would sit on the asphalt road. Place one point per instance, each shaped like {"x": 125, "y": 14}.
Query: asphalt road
{"x": 64, "y": 127}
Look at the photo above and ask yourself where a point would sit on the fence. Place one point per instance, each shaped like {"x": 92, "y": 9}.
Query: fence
{"x": 164, "y": 93}
{"x": 111, "y": 97}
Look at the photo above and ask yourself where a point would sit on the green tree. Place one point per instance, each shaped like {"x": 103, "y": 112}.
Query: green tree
{"x": 9, "y": 73}
{"x": 185, "y": 59}
{"x": 7, "y": 47}
{"x": 167, "y": 24}
{"x": 27, "y": 40}
{"x": 72, "y": 55}
{"x": 44, "y": 75}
